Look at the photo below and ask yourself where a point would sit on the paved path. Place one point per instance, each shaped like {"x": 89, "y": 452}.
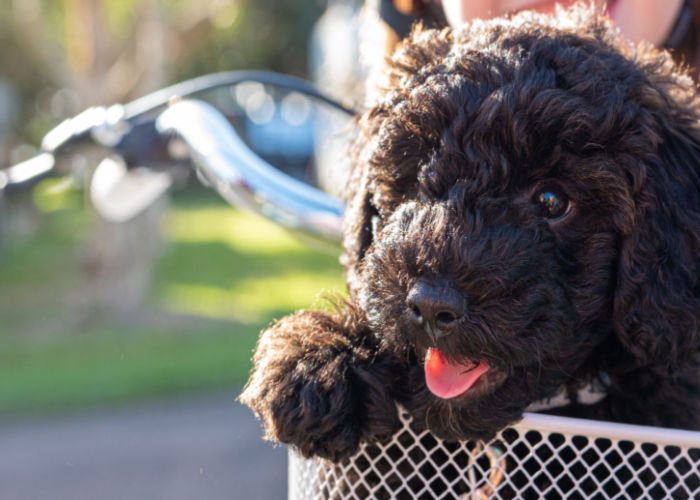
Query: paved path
{"x": 205, "y": 448}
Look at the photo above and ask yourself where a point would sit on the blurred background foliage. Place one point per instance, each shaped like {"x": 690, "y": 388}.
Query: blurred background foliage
{"x": 58, "y": 57}
{"x": 220, "y": 277}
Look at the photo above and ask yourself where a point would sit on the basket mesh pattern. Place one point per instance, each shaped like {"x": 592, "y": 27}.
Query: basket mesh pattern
{"x": 518, "y": 463}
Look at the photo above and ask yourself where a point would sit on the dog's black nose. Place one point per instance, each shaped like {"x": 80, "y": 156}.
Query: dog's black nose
{"x": 435, "y": 306}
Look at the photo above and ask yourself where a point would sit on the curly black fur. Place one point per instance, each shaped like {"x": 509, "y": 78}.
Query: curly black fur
{"x": 474, "y": 123}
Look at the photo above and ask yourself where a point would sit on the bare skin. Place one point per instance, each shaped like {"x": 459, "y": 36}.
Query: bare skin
{"x": 639, "y": 20}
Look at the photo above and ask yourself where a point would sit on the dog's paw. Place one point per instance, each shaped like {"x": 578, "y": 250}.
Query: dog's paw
{"x": 315, "y": 408}
{"x": 318, "y": 389}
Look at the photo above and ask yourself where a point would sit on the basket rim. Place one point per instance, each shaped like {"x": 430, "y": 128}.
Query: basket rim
{"x": 608, "y": 430}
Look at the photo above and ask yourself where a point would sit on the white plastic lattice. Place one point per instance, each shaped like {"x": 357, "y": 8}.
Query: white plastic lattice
{"x": 542, "y": 457}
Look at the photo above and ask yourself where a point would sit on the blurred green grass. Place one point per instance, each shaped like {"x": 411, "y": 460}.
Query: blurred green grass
{"x": 223, "y": 276}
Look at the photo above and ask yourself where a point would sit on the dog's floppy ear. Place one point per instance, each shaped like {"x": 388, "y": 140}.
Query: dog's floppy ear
{"x": 358, "y": 223}
{"x": 657, "y": 306}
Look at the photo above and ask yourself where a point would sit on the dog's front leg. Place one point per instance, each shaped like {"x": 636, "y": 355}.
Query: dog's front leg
{"x": 321, "y": 383}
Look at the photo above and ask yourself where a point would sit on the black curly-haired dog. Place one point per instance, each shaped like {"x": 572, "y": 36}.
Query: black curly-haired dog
{"x": 524, "y": 222}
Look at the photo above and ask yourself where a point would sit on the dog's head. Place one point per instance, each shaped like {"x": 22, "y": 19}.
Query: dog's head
{"x": 525, "y": 208}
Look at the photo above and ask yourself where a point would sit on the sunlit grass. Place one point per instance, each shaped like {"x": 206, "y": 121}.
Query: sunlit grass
{"x": 251, "y": 300}
{"x": 238, "y": 229}
{"x": 226, "y": 273}
{"x": 113, "y": 364}
{"x": 231, "y": 265}
{"x": 57, "y": 193}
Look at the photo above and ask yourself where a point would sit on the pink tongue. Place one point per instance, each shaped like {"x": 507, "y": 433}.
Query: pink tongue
{"x": 447, "y": 380}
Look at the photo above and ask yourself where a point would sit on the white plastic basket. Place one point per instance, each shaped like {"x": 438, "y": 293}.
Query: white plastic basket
{"x": 541, "y": 457}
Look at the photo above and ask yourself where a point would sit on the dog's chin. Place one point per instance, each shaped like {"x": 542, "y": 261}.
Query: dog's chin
{"x": 459, "y": 420}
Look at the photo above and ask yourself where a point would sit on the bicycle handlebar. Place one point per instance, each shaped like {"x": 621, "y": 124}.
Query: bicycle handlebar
{"x": 140, "y": 131}
{"x": 244, "y": 179}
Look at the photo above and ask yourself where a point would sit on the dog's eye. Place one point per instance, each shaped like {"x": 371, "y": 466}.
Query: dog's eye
{"x": 552, "y": 203}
